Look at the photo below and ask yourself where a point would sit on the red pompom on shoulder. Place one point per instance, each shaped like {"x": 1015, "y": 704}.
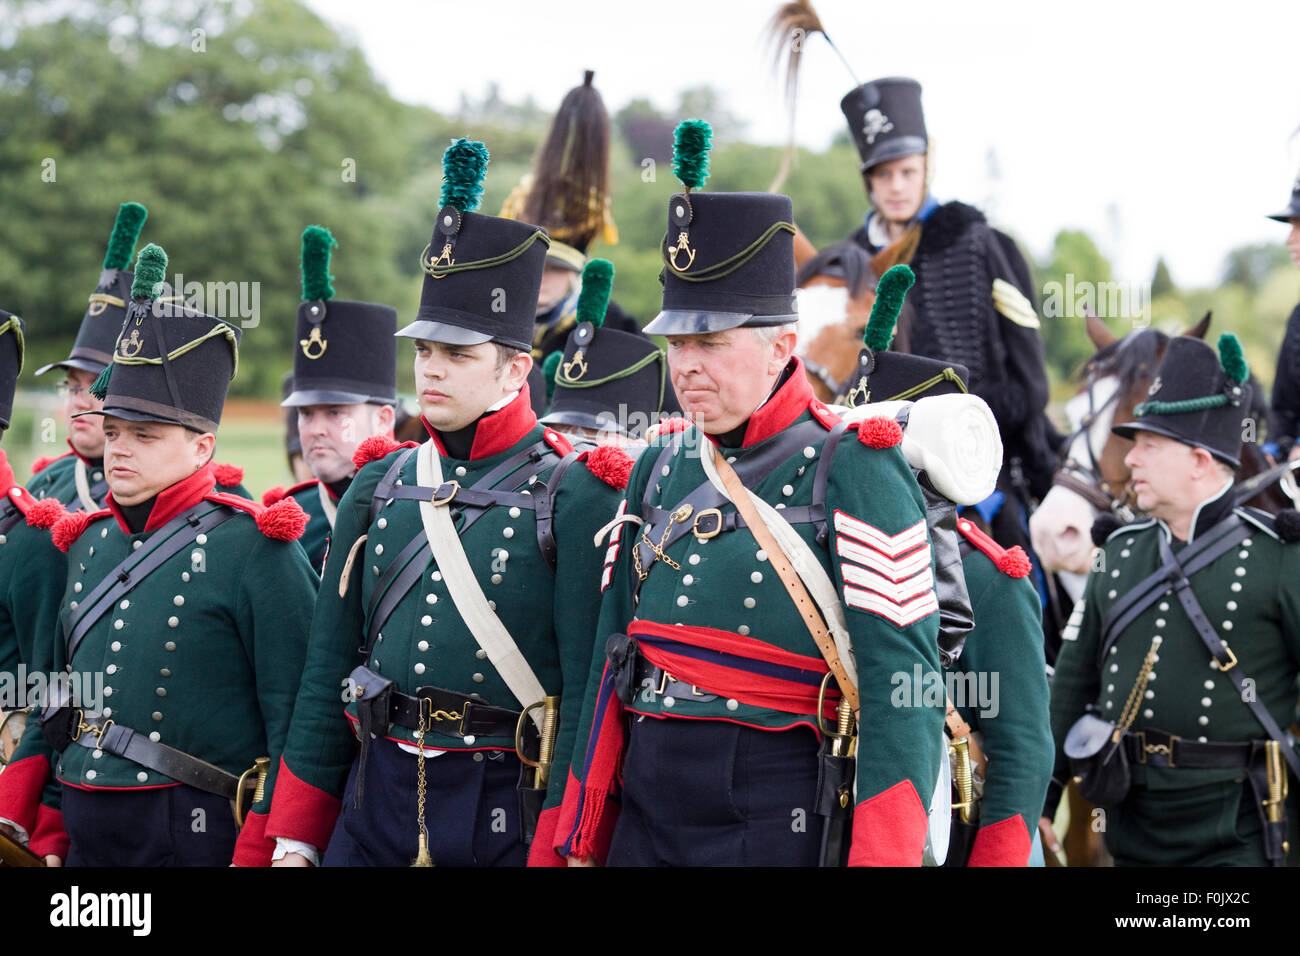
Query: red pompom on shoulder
{"x": 611, "y": 465}
{"x": 1014, "y": 562}
{"x": 40, "y": 464}
{"x": 880, "y": 432}
{"x": 228, "y": 475}
{"x": 272, "y": 495}
{"x": 376, "y": 447}
{"x": 45, "y": 513}
{"x": 666, "y": 426}
{"x": 283, "y": 521}
{"x": 68, "y": 529}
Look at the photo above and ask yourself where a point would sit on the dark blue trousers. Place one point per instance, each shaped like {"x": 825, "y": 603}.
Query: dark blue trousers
{"x": 712, "y": 793}
{"x": 471, "y": 810}
{"x": 169, "y": 826}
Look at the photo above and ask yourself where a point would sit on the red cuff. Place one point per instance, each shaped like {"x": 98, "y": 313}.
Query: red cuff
{"x": 21, "y": 786}
{"x": 890, "y": 828}
{"x": 300, "y": 811}
{"x": 48, "y": 838}
{"x": 1005, "y": 843}
{"x": 590, "y": 836}
{"x": 254, "y": 847}
{"x": 542, "y": 852}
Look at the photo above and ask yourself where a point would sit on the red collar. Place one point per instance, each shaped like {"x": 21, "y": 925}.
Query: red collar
{"x": 778, "y": 413}
{"x": 497, "y": 430}
{"x": 171, "y": 501}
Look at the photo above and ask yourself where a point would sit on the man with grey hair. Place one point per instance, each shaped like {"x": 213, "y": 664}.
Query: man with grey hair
{"x": 705, "y": 625}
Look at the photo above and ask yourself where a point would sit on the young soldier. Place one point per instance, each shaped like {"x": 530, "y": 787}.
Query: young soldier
{"x": 699, "y": 637}
{"x": 343, "y": 394}
{"x": 1170, "y": 694}
{"x": 188, "y": 600}
{"x": 466, "y": 572}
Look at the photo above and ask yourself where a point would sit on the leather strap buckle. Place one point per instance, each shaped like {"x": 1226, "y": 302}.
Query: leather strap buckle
{"x": 445, "y": 492}
{"x": 706, "y": 534}
{"x": 1232, "y": 660}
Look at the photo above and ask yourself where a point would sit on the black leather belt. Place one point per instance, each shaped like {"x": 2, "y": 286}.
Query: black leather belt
{"x": 664, "y": 684}
{"x": 453, "y": 713}
{"x": 1155, "y": 748}
{"x": 96, "y": 734}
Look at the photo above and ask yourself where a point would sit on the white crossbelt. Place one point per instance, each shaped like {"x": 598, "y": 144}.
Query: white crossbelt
{"x": 467, "y": 593}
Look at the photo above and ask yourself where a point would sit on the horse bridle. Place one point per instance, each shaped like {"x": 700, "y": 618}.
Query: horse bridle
{"x": 1088, "y": 482}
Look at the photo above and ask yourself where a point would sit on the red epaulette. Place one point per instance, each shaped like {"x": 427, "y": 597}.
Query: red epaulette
{"x": 283, "y": 521}
{"x": 1013, "y": 562}
{"x": 43, "y": 513}
{"x": 610, "y": 464}
{"x": 40, "y": 464}
{"x": 879, "y": 432}
{"x": 376, "y": 447}
{"x": 72, "y": 526}
{"x": 280, "y": 492}
{"x": 228, "y": 475}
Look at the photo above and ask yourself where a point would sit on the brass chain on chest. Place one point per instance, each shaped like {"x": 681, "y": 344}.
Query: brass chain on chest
{"x": 681, "y": 514}
{"x": 1130, "y": 712}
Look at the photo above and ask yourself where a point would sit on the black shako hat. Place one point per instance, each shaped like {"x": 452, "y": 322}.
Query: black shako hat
{"x": 292, "y": 440}
{"x": 11, "y": 362}
{"x": 1292, "y": 211}
{"x": 93, "y": 347}
{"x": 172, "y": 363}
{"x": 482, "y": 273}
{"x": 885, "y": 376}
{"x": 886, "y": 120}
{"x": 345, "y": 353}
{"x": 1197, "y": 398}
{"x": 728, "y": 257}
{"x": 607, "y": 379}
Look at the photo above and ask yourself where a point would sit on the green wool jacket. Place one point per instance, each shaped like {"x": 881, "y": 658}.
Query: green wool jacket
{"x": 999, "y": 686}
{"x": 203, "y": 655}
{"x": 550, "y": 615}
{"x": 1251, "y": 596}
{"x": 876, "y": 524}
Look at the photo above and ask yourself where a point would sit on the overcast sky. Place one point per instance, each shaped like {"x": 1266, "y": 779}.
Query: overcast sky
{"x": 1158, "y": 127}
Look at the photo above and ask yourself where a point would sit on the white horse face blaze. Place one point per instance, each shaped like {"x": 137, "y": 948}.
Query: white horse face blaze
{"x": 820, "y": 306}
{"x": 1060, "y": 528}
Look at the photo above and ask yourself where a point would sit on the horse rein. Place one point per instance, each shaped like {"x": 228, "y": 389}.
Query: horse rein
{"x": 1088, "y": 482}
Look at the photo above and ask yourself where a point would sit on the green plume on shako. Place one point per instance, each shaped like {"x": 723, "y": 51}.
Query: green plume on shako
{"x": 1231, "y": 359}
{"x": 126, "y": 230}
{"x": 464, "y": 165}
{"x": 691, "y": 143}
{"x": 891, "y": 290}
{"x": 150, "y": 271}
{"x": 317, "y": 241}
{"x": 597, "y": 284}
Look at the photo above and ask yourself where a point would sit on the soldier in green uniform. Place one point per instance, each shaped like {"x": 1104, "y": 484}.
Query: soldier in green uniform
{"x": 187, "y": 600}
{"x": 997, "y": 679}
{"x": 465, "y": 570}
{"x": 609, "y": 384}
{"x": 1173, "y": 686}
{"x": 344, "y": 389}
{"x": 699, "y": 640}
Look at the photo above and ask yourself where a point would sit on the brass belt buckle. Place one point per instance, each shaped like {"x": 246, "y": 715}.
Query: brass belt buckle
{"x": 438, "y": 498}
{"x": 1224, "y": 668}
{"x": 717, "y": 528}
